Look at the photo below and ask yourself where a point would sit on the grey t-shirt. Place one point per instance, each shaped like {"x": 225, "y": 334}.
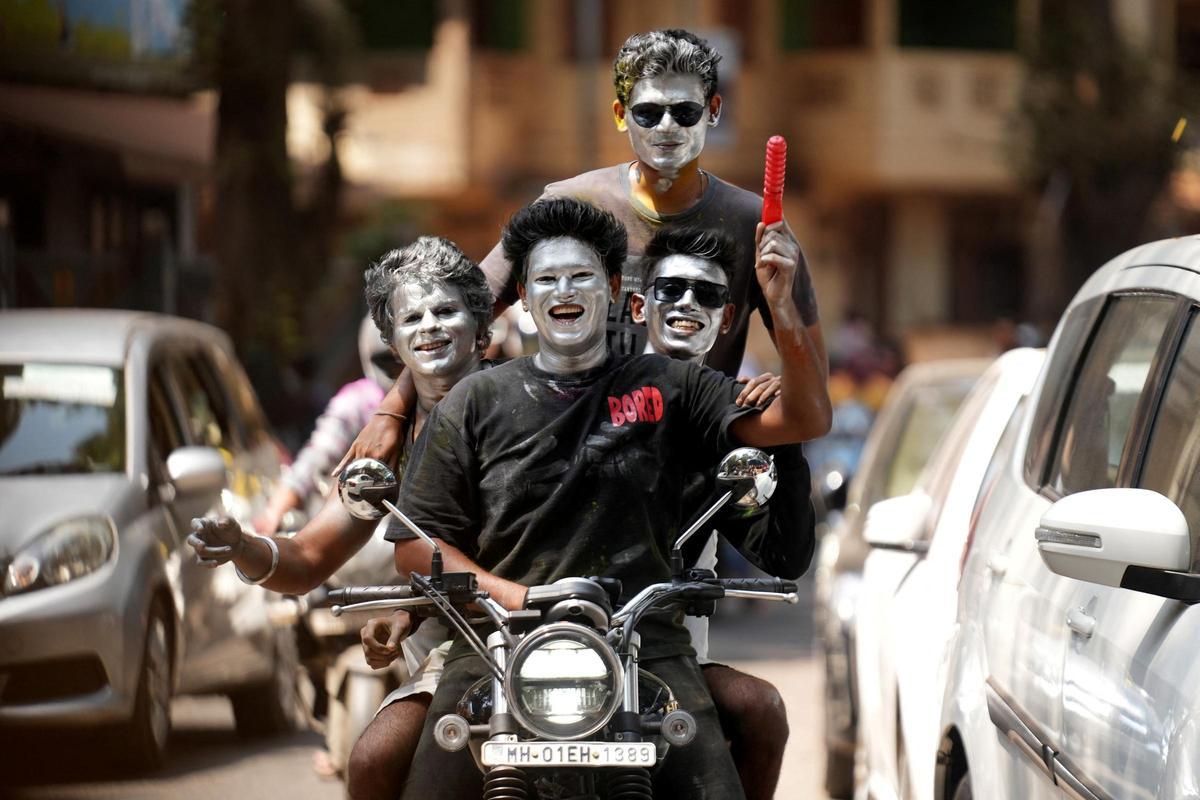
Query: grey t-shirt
{"x": 724, "y": 207}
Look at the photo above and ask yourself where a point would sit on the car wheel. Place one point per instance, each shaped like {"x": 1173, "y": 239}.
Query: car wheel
{"x": 272, "y": 707}
{"x": 963, "y": 790}
{"x": 144, "y": 740}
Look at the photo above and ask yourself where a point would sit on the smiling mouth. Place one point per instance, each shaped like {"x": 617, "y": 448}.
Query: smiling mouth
{"x": 566, "y": 314}
{"x": 685, "y": 325}
{"x": 430, "y": 347}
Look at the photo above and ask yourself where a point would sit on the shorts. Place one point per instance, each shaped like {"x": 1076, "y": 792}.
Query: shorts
{"x": 425, "y": 654}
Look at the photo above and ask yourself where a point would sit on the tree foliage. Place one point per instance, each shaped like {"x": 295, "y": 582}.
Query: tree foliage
{"x": 1098, "y": 113}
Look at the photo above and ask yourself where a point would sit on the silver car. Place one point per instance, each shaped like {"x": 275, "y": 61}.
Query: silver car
{"x": 115, "y": 429}
{"x": 918, "y": 409}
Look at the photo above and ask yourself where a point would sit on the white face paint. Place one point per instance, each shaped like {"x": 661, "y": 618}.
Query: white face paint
{"x": 683, "y": 329}
{"x": 667, "y": 147}
{"x": 568, "y": 295}
{"x": 435, "y": 334}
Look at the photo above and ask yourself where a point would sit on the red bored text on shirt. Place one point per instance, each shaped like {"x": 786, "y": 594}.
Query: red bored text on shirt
{"x": 640, "y": 405}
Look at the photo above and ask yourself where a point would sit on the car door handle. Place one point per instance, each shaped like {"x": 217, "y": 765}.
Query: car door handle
{"x": 1081, "y": 622}
{"x": 997, "y": 564}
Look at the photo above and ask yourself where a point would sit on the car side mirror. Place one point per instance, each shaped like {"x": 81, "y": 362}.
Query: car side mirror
{"x": 898, "y": 522}
{"x": 1127, "y": 538}
{"x": 196, "y": 471}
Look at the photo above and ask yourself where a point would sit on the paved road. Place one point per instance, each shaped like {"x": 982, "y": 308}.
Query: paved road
{"x": 209, "y": 762}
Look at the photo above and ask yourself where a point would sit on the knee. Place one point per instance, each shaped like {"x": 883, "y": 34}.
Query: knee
{"x": 755, "y": 708}
{"x": 373, "y": 771}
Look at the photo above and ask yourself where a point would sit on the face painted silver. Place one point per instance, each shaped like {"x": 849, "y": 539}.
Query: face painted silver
{"x": 683, "y": 329}
{"x": 435, "y": 334}
{"x": 568, "y": 295}
{"x": 668, "y": 147}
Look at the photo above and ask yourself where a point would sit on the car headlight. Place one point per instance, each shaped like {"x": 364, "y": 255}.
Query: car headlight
{"x": 564, "y": 682}
{"x": 69, "y": 550}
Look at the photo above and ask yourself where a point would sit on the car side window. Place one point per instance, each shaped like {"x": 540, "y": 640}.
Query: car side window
{"x": 1172, "y": 465}
{"x": 233, "y": 378}
{"x": 1100, "y": 409}
{"x": 166, "y": 433}
{"x": 207, "y": 410}
{"x": 1070, "y": 339}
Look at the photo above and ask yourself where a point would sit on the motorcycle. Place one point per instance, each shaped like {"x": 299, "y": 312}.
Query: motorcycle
{"x": 564, "y": 703}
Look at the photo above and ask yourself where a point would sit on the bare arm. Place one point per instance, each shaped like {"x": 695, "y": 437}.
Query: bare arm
{"x": 802, "y": 410}
{"x": 413, "y": 555}
{"x": 382, "y": 436}
{"x": 305, "y": 561}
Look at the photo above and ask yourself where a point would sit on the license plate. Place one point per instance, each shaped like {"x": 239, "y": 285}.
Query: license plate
{"x": 569, "y": 754}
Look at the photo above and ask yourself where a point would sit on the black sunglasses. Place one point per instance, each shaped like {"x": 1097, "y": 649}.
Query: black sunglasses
{"x": 387, "y": 362}
{"x": 647, "y": 115}
{"x": 707, "y": 293}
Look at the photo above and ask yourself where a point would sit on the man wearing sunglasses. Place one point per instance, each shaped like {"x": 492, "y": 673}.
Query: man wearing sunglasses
{"x": 666, "y": 100}
{"x": 685, "y": 272}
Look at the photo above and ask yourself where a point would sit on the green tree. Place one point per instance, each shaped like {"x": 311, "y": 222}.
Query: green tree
{"x": 272, "y": 249}
{"x": 1098, "y": 114}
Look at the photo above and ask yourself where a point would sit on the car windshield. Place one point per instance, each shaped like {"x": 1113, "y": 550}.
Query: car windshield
{"x": 61, "y": 418}
{"x": 929, "y": 416}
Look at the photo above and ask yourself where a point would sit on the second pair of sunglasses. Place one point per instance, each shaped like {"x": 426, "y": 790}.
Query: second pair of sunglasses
{"x": 647, "y": 115}
{"x": 707, "y": 293}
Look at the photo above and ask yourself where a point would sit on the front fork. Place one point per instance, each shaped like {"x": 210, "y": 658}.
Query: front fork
{"x": 502, "y": 783}
{"x": 631, "y": 783}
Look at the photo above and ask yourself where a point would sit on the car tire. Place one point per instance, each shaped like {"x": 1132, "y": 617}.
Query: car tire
{"x": 145, "y": 737}
{"x": 273, "y": 707}
{"x": 963, "y": 790}
{"x": 839, "y": 776}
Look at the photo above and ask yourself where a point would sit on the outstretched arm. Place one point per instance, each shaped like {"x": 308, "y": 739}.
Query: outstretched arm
{"x": 305, "y": 561}
{"x": 802, "y": 410}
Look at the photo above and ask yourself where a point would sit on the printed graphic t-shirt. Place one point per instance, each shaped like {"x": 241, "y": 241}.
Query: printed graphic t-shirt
{"x": 723, "y": 207}
{"x": 538, "y": 476}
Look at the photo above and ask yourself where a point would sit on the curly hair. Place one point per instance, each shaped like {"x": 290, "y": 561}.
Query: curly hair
{"x": 428, "y": 259}
{"x": 706, "y": 243}
{"x": 564, "y": 217}
{"x": 647, "y": 55}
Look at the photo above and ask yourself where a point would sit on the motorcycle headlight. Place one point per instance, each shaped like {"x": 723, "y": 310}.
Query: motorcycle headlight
{"x": 67, "y": 551}
{"x": 564, "y": 682}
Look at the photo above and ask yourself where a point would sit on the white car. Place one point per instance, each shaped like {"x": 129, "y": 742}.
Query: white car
{"x": 1074, "y": 666}
{"x": 909, "y": 588}
{"x": 918, "y": 410}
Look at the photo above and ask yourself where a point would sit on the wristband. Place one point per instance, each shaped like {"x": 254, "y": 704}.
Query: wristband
{"x": 274, "y": 548}
{"x": 391, "y": 414}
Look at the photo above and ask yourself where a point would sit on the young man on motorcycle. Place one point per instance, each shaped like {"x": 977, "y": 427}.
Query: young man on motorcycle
{"x": 751, "y": 711}
{"x": 666, "y": 100}
{"x": 572, "y": 462}
{"x": 432, "y": 307}
{"x": 685, "y": 280}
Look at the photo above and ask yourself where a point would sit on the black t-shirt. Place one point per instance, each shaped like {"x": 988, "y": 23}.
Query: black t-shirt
{"x": 538, "y": 476}
{"x": 723, "y": 207}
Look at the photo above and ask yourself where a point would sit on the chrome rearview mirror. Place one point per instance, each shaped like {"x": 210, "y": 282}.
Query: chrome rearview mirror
{"x": 749, "y": 478}
{"x": 364, "y": 485}
{"x": 750, "y": 475}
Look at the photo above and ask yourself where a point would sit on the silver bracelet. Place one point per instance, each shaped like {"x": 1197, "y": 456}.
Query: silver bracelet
{"x": 274, "y": 563}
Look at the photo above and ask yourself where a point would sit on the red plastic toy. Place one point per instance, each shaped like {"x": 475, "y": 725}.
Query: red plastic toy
{"x": 773, "y": 180}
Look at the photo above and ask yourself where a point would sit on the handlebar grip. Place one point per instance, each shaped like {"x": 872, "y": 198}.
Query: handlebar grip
{"x": 760, "y": 585}
{"x": 364, "y": 594}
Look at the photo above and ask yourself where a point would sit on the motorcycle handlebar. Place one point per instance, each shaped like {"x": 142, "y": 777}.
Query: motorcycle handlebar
{"x": 367, "y": 594}
{"x": 777, "y": 585}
